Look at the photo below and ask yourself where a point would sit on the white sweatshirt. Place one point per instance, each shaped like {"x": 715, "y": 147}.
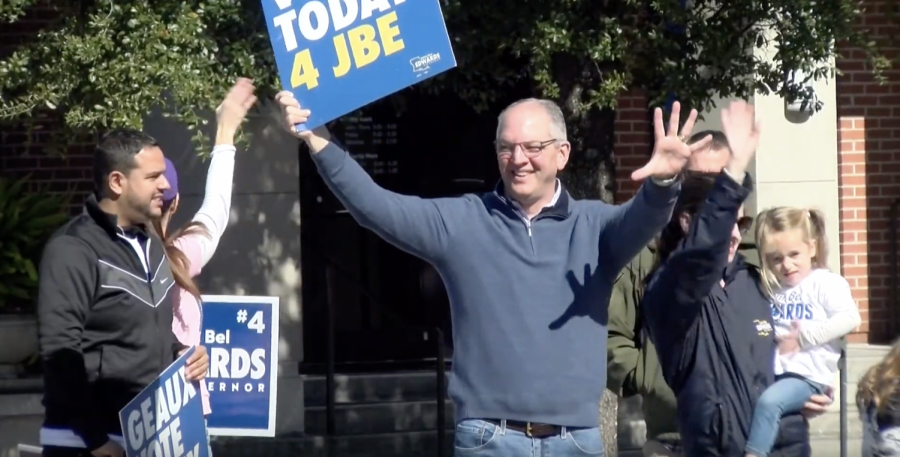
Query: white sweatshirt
{"x": 826, "y": 311}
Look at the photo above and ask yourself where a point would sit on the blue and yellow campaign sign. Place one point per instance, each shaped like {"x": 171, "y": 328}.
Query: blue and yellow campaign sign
{"x": 339, "y": 55}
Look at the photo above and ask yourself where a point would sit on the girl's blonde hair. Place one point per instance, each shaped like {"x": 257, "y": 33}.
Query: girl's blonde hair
{"x": 880, "y": 383}
{"x": 777, "y": 220}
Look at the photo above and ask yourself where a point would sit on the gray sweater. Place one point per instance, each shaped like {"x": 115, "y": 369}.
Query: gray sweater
{"x": 528, "y": 300}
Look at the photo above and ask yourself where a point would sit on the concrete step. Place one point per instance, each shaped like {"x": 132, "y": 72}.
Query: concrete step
{"x": 408, "y": 386}
{"x": 374, "y": 418}
{"x": 408, "y": 444}
{"x": 831, "y": 447}
{"x": 21, "y": 414}
{"x": 860, "y": 357}
{"x": 828, "y": 426}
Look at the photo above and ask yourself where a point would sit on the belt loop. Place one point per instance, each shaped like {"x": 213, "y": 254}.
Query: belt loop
{"x": 502, "y": 427}
{"x": 562, "y": 432}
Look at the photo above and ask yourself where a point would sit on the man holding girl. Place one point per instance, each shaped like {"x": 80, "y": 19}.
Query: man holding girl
{"x": 710, "y": 314}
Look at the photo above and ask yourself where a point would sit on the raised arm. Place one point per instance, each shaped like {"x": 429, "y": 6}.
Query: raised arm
{"x": 68, "y": 274}
{"x": 699, "y": 261}
{"x": 411, "y": 223}
{"x": 632, "y": 225}
{"x": 215, "y": 209}
{"x": 677, "y": 292}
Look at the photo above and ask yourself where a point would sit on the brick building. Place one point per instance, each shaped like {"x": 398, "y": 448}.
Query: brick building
{"x": 869, "y": 162}
{"x": 869, "y": 175}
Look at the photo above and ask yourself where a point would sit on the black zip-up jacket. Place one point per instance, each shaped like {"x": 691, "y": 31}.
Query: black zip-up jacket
{"x": 716, "y": 345}
{"x": 105, "y": 324}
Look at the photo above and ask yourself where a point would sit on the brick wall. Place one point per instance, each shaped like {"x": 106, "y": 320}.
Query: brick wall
{"x": 852, "y": 202}
{"x": 634, "y": 138}
{"x": 869, "y": 160}
{"x": 69, "y": 175}
{"x": 22, "y": 153}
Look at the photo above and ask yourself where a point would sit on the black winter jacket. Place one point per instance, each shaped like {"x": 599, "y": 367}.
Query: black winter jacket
{"x": 716, "y": 345}
{"x": 105, "y": 325}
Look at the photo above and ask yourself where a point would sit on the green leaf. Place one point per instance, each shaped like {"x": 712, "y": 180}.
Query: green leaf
{"x": 104, "y": 64}
{"x": 27, "y": 219}
{"x": 30, "y": 270}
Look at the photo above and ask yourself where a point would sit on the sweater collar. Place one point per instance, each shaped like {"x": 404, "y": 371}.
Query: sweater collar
{"x": 558, "y": 207}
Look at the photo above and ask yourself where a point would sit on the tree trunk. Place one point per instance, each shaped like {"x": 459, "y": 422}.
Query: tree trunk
{"x": 590, "y": 173}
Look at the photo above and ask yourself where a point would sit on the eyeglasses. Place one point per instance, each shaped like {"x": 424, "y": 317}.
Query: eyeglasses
{"x": 531, "y": 149}
{"x": 744, "y": 224}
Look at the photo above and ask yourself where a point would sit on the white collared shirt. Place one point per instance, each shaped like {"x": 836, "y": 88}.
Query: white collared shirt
{"x": 525, "y": 217}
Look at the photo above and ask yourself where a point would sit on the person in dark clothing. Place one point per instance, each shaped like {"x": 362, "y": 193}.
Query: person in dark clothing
{"x": 104, "y": 314}
{"x": 632, "y": 364}
{"x": 707, "y": 314}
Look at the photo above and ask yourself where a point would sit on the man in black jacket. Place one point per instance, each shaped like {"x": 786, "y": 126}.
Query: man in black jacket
{"x": 707, "y": 315}
{"x": 104, "y": 315}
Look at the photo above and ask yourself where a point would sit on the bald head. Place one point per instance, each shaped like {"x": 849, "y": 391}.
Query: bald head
{"x": 714, "y": 157}
{"x": 531, "y": 149}
{"x": 554, "y": 115}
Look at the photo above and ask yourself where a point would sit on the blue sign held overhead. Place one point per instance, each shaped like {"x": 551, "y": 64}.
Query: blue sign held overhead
{"x": 166, "y": 418}
{"x": 339, "y": 55}
{"x": 241, "y": 335}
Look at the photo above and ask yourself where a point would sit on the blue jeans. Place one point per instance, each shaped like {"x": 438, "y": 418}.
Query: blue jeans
{"x": 485, "y": 439}
{"x": 787, "y": 395}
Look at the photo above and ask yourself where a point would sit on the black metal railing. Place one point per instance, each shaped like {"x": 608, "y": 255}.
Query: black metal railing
{"x": 332, "y": 269}
{"x": 842, "y": 367}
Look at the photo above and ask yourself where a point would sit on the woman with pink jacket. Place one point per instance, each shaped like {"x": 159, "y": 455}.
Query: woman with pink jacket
{"x": 192, "y": 246}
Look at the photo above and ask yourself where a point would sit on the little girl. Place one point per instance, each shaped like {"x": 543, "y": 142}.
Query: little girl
{"x": 812, "y": 309}
{"x": 878, "y": 400}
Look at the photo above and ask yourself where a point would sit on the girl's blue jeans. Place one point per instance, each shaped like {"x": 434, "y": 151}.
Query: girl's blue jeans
{"x": 787, "y": 395}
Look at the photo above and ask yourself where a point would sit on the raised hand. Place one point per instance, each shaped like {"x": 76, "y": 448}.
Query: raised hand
{"x": 293, "y": 114}
{"x": 670, "y": 151}
{"x": 240, "y": 98}
{"x": 742, "y": 131}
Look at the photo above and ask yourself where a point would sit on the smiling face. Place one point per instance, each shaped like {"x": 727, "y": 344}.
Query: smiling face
{"x": 139, "y": 190}
{"x": 530, "y": 153}
{"x": 790, "y": 256}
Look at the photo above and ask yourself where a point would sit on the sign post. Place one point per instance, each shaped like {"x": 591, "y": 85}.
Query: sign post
{"x": 241, "y": 335}
{"x": 337, "y": 56}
